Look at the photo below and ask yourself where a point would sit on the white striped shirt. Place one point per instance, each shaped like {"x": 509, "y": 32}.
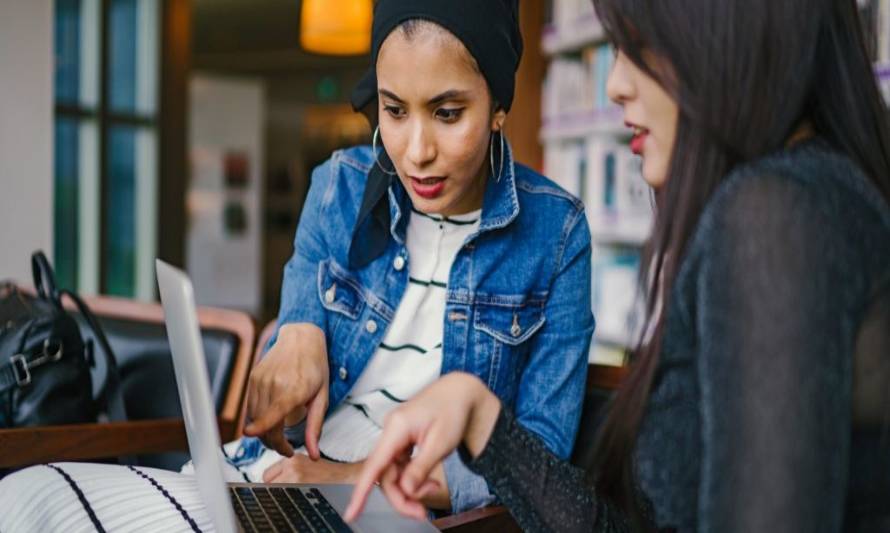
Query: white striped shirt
{"x": 410, "y": 356}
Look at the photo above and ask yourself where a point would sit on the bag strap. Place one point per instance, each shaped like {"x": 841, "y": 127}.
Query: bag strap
{"x": 16, "y": 372}
{"x": 110, "y": 395}
{"x": 44, "y": 278}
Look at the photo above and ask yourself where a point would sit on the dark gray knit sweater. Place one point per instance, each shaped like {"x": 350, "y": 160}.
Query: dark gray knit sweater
{"x": 771, "y": 407}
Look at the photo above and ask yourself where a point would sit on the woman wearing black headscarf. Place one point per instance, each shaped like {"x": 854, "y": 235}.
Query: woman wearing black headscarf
{"x": 429, "y": 252}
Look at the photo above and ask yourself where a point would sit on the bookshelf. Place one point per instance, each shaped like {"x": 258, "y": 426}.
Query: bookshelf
{"x": 580, "y": 32}
{"x": 563, "y": 126}
{"x": 585, "y": 151}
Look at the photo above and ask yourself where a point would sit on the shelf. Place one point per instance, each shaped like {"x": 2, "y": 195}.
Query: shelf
{"x": 582, "y": 32}
{"x": 606, "y": 121}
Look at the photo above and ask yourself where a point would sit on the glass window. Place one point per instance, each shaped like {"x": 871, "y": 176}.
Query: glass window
{"x": 77, "y": 52}
{"x": 66, "y": 201}
{"x": 106, "y": 150}
{"x": 133, "y": 56}
{"x": 130, "y": 223}
{"x": 67, "y": 44}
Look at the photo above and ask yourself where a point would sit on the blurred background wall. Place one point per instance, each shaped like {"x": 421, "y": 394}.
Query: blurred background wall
{"x": 26, "y": 142}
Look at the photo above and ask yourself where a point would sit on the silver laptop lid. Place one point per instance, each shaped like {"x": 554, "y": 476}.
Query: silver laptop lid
{"x": 190, "y": 367}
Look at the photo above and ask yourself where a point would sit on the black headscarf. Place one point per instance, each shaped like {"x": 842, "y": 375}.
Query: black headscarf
{"x": 490, "y": 31}
{"x": 488, "y": 28}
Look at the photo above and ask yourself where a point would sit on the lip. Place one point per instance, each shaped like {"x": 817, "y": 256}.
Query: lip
{"x": 429, "y": 187}
{"x": 638, "y": 141}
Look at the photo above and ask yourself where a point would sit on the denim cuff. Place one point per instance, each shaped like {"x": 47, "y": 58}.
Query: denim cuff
{"x": 467, "y": 490}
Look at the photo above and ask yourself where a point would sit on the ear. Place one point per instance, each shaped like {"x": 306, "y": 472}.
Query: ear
{"x": 497, "y": 120}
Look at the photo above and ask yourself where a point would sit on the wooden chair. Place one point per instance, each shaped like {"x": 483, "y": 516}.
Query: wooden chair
{"x": 27, "y": 446}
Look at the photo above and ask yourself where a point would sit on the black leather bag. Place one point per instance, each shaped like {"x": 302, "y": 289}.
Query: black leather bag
{"x": 45, "y": 376}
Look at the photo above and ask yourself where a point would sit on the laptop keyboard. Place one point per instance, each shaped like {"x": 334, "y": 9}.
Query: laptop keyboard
{"x": 285, "y": 509}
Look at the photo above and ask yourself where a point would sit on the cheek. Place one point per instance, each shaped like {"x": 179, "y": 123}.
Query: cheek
{"x": 664, "y": 115}
{"x": 657, "y": 158}
{"x": 464, "y": 149}
{"x": 393, "y": 137}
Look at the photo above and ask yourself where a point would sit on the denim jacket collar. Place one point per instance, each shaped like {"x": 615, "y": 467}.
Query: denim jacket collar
{"x": 500, "y": 205}
{"x": 385, "y": 203}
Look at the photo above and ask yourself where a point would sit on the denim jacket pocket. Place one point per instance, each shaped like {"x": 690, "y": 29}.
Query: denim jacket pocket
{"x": 511, "y": 324}
{"x": 338, "y": 291}
{"x": 507, "y": 322}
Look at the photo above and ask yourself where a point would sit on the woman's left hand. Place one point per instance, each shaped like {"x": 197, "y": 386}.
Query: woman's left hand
{"x": 457, "y": 409}
{"x": 302, "y": 469}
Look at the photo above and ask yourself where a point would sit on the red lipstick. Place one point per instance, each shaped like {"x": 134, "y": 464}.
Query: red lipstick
{"x": 428, "y": 188}
{"x": 638, "y": 141}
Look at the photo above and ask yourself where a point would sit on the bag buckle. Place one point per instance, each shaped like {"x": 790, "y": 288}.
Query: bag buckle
{"x": 21, "y": 367}
{"x": 20, "y": 370}
{"x": 47, "y": 356}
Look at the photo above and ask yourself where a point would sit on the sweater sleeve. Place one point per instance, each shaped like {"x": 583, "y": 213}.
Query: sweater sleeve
{"x": 542, "y": 492}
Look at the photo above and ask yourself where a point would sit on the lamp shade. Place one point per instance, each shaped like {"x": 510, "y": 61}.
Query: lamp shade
{"x": 336, "y": 27}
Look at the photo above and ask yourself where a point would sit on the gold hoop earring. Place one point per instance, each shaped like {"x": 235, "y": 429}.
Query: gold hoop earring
{"x": 376, "y": 158}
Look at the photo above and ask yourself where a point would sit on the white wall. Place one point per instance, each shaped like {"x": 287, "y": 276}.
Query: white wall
{"x": 26, "y": 134}
{"x": 226, "y": 116}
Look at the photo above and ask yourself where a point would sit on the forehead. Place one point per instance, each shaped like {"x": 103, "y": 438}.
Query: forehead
{"x": 430, "y": 60}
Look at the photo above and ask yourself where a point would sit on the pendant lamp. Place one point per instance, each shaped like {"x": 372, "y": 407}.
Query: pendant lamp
{"x": 336, "y": 27}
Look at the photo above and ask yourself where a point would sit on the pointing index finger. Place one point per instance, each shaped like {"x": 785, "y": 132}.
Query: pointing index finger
{"x": 391, "y": 444}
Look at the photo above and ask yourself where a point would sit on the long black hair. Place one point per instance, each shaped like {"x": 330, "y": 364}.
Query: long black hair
{"x": 746, "y": 74}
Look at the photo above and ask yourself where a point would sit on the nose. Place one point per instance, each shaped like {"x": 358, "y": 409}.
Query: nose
{"x": 620, "y": 87}
{"x": 421, "y": 145}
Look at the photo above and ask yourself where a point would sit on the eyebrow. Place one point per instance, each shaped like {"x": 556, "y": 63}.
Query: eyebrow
{"x": 452, "y": 94}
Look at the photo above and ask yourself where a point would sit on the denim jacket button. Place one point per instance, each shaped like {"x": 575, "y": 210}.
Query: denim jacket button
{"x": 515, "y": 330}
{"x": 398, "y": 263}
{"x": 371, "y": 326}
{"x": 343, "y": 373}
{"x": 330, "y": 294}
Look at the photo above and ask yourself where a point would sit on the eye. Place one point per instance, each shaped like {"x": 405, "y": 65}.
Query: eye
{"x": 449, "y": 114}
{"x": 394, "y": 111}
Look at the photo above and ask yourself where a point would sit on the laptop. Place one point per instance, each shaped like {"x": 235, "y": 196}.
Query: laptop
{"x": 250, "y": 506}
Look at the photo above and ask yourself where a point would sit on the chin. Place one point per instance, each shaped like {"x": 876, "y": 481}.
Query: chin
{"x": 427, "y": 206}
{"x": 655, "y": 177}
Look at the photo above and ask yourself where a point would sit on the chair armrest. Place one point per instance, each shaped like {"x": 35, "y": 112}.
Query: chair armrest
{"x": 482, "y": 520}
{"x": 35, "y": 445}
{"x": 606, "y": 377}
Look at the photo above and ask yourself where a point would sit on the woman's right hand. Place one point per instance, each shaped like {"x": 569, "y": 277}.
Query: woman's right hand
{"x": 457, "y": 409}
{"x": 288, "y": 384}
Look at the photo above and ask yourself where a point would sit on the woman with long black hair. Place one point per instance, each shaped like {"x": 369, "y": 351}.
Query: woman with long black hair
{"x": 759, "y": 396}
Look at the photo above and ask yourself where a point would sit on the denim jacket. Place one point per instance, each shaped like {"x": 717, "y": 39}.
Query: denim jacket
{"x": 518, "y": 308}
